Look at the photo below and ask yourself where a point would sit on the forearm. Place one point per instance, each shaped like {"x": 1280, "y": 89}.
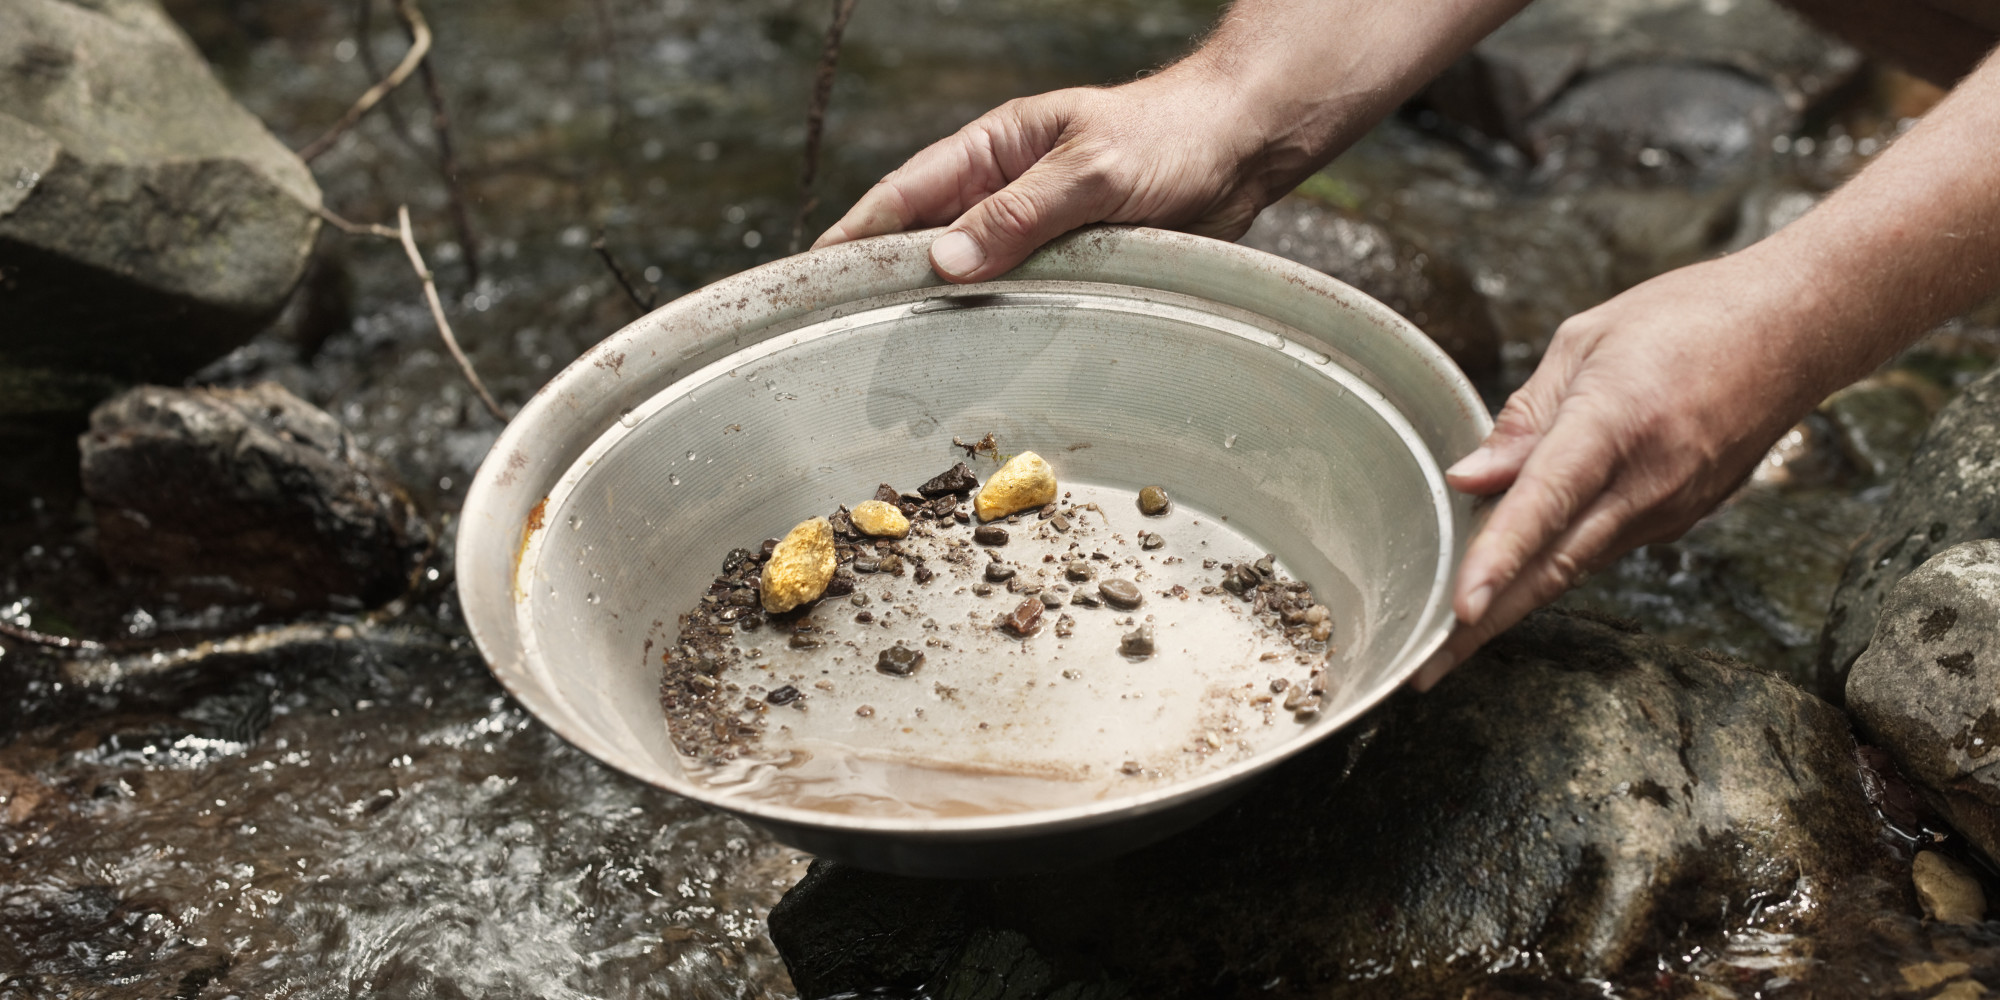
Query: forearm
{"x": 1913, "y": 240}
{"x": 1311, "y": 76}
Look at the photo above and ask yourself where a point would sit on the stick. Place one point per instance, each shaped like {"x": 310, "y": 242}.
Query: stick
{"x": 644, "y": 303}
{"x": 437, "y": 313}
{"x": 420, "y": 45}
{"x": 822, "y": 94}
{"x": 364, "y": 27}
{"x": 29, "y": 635}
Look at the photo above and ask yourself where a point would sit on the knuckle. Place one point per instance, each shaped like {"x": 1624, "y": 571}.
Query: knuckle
{"x": 1011, "y": 214}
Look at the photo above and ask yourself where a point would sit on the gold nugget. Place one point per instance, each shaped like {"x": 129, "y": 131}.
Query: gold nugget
{"x": 1024, "y": 483}
{"x": 800, "y": 567}
{"x": 879, "y": 520}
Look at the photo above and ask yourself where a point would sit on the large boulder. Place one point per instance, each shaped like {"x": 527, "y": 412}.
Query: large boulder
{"x": 1575, "y": 803}
{"x": 1949, "y": 493}
{"x": 246, "y": 496}
{"x": 1927, "y": 689}
{"x": 148, "y": 223}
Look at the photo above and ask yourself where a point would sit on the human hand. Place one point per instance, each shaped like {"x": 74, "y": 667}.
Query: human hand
{"x": 1646, "y": 412}
{"x": 1174, "y": 150}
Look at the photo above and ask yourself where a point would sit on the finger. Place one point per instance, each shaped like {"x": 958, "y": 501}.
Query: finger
{"x": 1567, "y": 471}
{"x": 1596, "y": 538}
{"x": 1496, "y": 463}
{"x": 1062, "y": 191}
{"x": 929, "y": 190}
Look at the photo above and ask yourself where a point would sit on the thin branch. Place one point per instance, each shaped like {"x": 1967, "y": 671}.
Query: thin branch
{"x": 437, "y": 313}
{"x": 28, "y": 635}
{"x": 364, "y": 28}
{"x": 822, "y": 94}
{"x": 354, "y": 228}
{"x": 645, "y": 302}
{"x": 420, "y": 45}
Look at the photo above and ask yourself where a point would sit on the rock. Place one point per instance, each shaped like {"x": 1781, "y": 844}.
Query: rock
{"x": 1576, "y": 793}
{"x": 1427, "y": 288}
{"x": 800, "y": 567}
{"x": 1024, "y": 483}
{"x": 1948, "y": 493}
{"x": 148, "y": 223}
{"x": 1928, "y": 687}
{"x": 1947, "y": 890}
{"x": 1880, "y": 419}
{"x": 239, "y": 496}
{"x": 1121, "y": 594}
{"x": 1153, "y": 501}
{"x": 1522, "y": 67}
{"x": 955, "y": 481}
{"x": 1675, "y": 123}
{"x": 879, "y": 520}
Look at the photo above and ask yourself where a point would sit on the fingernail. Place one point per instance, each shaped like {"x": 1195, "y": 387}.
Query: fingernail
{"x": 1432, "y": 671}
{"x": 1476, "y": 602}
{"x": 956, "y": 254}
{"x": 1473, "y": 464}
{"x": 830, "y": 237}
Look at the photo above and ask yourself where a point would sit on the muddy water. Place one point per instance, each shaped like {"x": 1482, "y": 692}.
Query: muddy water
{"x": 368, "y": 812}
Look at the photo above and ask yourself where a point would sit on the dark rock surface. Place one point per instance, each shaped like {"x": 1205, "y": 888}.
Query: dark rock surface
{"x": 1656, "y": 121}
{"x": 1928, "y": 687}
{"x": 1949, "y": 493}
{"x": 246, "y": 495}
{"x": 1574, "y": 803}
{"x": 148, "y": 223}
{"x": 1425, "y": 287}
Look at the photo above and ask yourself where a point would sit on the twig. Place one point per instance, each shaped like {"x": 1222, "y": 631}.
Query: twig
{"x": 354, "y": 228}
{"x": 645, "y": 302}
{"x": 28, "y": 635}
{"x": 437, "y": 313}
{"x": 420, "y": 45}
{"x": 822, "y": 94}
{"x": 364, "y": 28}
{"x": 461, "y": 221}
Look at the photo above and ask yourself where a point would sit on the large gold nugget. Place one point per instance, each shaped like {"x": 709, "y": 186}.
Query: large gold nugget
{"x": 800, "y": 567}
{"x": 879, "y": 520}
{"x": 1024, "y": 483}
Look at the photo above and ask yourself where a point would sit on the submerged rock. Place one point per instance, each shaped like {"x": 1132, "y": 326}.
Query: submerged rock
{"x": 1571, "y": 804}
{"x": 246, "y": 496}
{"x": 1928, "y": 687}
{"x": 148, "y": 223}
{"x": 1948, "y": 493}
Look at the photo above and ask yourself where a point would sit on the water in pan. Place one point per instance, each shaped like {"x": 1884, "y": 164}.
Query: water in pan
{"x": 993, "y": 722}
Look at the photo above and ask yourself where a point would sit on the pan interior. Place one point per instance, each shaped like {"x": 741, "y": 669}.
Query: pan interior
{"x": 1266, "y": 442}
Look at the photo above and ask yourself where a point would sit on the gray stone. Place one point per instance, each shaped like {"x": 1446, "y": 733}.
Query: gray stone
{"x": 1425, "y": 287}
{"x": 246, "y": 496}
{"x": 1578, "y": 799}
{"x": 148, "y": 223}
{"x": 1928, "y": 687}
{"x": 1948, "y": 493}
{"x": 1673, "y": 122}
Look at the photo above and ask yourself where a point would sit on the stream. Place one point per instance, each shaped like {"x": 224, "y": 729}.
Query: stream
{"x": 364, "y": 810}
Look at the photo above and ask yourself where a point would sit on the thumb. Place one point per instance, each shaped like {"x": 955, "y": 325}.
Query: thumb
{"x": 1520, "y": 425}
{"x": 1050, "y": 198}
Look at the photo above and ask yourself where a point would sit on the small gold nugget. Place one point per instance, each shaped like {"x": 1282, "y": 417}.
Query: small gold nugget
{"x": 1024, "y": 483}
{"x": 880, "y": 520}
{"x": 800, "y": 567}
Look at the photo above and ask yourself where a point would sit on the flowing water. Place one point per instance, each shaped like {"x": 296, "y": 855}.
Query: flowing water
{"x": 363, "y": 810}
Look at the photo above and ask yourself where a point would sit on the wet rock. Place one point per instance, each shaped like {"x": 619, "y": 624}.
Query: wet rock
{"x": 1947, "y": 890}
{"x": 1121, "y": 594}
{"x": 238, "y": 496}
{"x": 1024, "y": 483}
{"x": 1138, "y": 642}
{"x": 899, "y": 660}
{"x": 1025, "y": 618}
{"x": 999, "y": 572}
{"x": 148, "y": 223}
{"x": 800, "y": 567}
{"x": 1928, "y": 687}
{"x": 1153, "y": 501}
{"x": 957, "y": 480}
{"x": 1947, "y": 494}
{"x": 1578, "y": 793}
{"x": 990, "y": 534}
{"x": 1879, "y": 420}
{"x": 1659, "y": 122}
{"x": 1391, "y": 264}
{"x": 879, "y": 520}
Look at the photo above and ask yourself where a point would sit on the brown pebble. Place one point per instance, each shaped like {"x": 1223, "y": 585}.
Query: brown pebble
{"x": 1061, "y": 522}
{"x": 1279, "y": 684}
{"x": 1150, "y": 541}
{"x": 1121, "y": 594}
{"x": 957, "y": 479}
{"x": 983, "y": 589}
{"x": 999, "y": 572}
{"x": 1138, "y": 642}
{"x": 1322, "y": 631}
{"x": 1078, "y": 571}
{"x": 892, "y": 564}
{"x": 888, "y": 494}
{"x": 783, "y": 696}
{"x": 865, "y": 617}
{"x": 865, "y": 711}
{"x": 1025, "y": 618}
{"x": 899, "y": 661}
{"x": 1153, "y": 501}
{"x": 1050, "y": 600}
{"x": 1085, "y": 599}
{"x": 990, "y": 534}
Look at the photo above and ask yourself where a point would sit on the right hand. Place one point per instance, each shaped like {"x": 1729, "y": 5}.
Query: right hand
{"x": 1170, "y": 150}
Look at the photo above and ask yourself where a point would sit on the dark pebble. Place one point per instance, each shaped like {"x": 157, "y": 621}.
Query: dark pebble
{"x": 1279, "y": 684}
{"x": 865, "y": 617}
{"x": 735, "y": 560}
{"x": 840, "y": 586}
{"x": 923, "y": 574}
{"x": 1024, "y": 619}
{"x": 1153, "y": 501}
{"x": 1078, "y": 571}
{"x": 956, "y": 480}
{"x": 892, "y": 564}
{"x": 765, "y": 549}
{"x": 961, "y": 517}
{"x": 866, "y": 564}
{"x": 1085, "y": 598}
{"x": 801, "y": 640}
{"x": 899, "y": 661}
{"x": 990, "y": 534}
{"x": 888, "y": 494}
{"x": 1061, "y": 523}
{"x": 1150, "y": 541}
{"x": 1120, "y": 594}
{"x": 783, "y": 696}
{"x": 1051, "y": 601}
{"x": 999, "y": 572}
{"x": 1138, "y": 642}
{"x": 983, "y": 589}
